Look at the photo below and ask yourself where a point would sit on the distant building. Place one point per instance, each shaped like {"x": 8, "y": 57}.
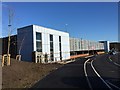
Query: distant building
{"x": 106, "y": 45}
{"x": 13, "y": 45}
{"x": 84, "y": 46}
{"x": 48, "y": 41}
{"x": 77, "y": 44}
{"x": 115, "y": 46}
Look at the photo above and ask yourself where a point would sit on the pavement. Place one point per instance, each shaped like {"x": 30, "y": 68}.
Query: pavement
{"x": 96, "y": 72}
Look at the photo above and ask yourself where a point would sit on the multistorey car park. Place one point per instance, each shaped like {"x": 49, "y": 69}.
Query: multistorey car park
{"x": 81, "y": 46}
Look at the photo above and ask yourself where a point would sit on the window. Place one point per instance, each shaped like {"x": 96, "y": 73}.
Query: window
{"x": 61, "y": 56}
{"x": 51, "y": 56}
{"x": 38, "y": 42}
{"x": 39, "y": 46}
{"x": 51, "y": 37}
{"x": 51, "y": 45}
{"x": 60, "y": 47}
{"x": 51, "y": 48}
{"x": 38, "y": 36}
{"x": 59, "y": 38}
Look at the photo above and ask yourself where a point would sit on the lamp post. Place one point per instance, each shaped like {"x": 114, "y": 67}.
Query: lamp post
{"x": 9, "y": 30}
{"x": 73, "y": 41}
{"x": 10, "y": 16}
{"x": 66, "y": 27}
{"x": 88, "y": 47}
{"x": 74, "y": 48}
{"x": 81, "y": 45}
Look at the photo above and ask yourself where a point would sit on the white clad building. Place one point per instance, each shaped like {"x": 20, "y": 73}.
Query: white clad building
{"x": 48, "y": 41}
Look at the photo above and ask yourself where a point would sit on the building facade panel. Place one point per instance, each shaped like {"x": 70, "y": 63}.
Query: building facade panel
{"x": 25, "y": 42}
{"x": 56, "y": 47}
{"x": 105, "y": 45}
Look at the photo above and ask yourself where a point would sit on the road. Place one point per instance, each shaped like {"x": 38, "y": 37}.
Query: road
{"x": 97, "y": 72}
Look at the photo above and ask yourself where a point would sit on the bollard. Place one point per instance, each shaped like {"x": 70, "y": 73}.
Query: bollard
{"x": 8, "y": 59}
{"x": 18, "y": 57}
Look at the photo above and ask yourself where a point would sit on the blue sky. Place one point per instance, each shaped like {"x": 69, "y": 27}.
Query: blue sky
{"x": 89, "y": 20}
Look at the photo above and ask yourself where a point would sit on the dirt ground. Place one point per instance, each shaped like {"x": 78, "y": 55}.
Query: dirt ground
{"x": 25, "y": 74}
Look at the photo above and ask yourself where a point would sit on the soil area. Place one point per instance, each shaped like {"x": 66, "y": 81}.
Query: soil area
{"x": 25, "y": 74}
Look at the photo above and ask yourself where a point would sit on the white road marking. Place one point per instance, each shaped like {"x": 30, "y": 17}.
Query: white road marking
{"x": 117, "y": 64}
{"x": 86, "y": 74}
{"x": 100, "y": 76}
{"x": 110, "y": 59}
{"x": 114, "y": 62}
{"x": 112, "y": 84}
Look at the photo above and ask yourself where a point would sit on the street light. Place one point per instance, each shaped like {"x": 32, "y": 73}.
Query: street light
{"x": 74, "y": 48}
{"x": 88, "y": 47}
{"x": 10, "y": 15}
{"x": 66, "y": 27}
{"x": 9, "y": 29}
{"x": 81, "y": 45}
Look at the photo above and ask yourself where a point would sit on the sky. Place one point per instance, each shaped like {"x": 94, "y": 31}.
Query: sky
{"x": 88, "y": 20}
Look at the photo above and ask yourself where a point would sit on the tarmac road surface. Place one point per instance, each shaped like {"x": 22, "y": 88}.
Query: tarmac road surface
{"x": 91, "y": 73}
